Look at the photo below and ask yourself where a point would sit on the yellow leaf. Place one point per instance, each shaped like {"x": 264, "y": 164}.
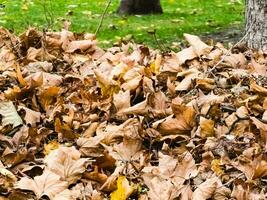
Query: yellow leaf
{"x": 122, "y": 22}
{"x": 216, "y": 167}
{"x": 7, "y": 173}
{"x": 51, "y": 146}
{"x": 155, "y": 66}
{"x": 25, "y": 7}
{"x": 206, "y": 127}
{"x": 19, "y": 76}
{"x": 48, "y": 96}
{"x": 124, "y": 189}
{"x": 108, "y": 87}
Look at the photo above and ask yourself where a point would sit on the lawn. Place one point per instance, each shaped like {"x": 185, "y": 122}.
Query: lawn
{"x": 191, "y": 16}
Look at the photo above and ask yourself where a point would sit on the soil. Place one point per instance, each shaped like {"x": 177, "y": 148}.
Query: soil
{"x": 227, "y": 36}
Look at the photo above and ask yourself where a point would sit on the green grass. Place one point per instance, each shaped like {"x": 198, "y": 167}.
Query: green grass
{"x": 191, "y": 16}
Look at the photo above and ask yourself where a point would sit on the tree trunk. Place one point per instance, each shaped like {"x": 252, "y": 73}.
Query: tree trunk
{"x": 256, "y": 24}
{"x": 130, "y": 7}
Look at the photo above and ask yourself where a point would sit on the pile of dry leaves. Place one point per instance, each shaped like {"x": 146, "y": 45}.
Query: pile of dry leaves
{"x": 78, "y": 122}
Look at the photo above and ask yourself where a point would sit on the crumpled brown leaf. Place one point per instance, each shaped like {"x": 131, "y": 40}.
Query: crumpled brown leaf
{"x": 180, "y": 123}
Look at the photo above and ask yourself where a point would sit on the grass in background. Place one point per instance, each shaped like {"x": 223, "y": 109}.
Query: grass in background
{"x": 191, "y": 16}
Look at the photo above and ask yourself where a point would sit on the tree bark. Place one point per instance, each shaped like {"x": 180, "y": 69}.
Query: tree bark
{"x": 130, "y": 7}
{"x": 256, "y": 24}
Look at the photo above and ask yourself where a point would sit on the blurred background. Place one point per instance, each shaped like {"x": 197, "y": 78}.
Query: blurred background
{"x": 222, "y": 19}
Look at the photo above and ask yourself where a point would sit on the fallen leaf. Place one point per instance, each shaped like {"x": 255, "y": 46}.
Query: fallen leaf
{"x": 206, "y": 189}
{"x": 31, "y": 117}
{"x": 48, "y": 184}
{"x": 52, "y": 145}
{"x": 123, "y": 191}
{"x": 66, "y": 163}
{"x": 122, "y": 101}
{"x": 200, "y": 48}
{"x": 9, "y": 114}
{"x": 48, "y": 96}
{"x": 206, "y": 127}
{"x": 188, "y": 75}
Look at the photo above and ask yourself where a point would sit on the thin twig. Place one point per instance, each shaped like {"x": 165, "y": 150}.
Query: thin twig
{"x": 48, "y": 14}
{"x": 102, "y": 17}
{"x": 229, "y": 51}
{"x": 161, "y": 47}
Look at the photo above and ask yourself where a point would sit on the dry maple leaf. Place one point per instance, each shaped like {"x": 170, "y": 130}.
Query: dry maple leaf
{"x": 48, "y": 96}
{"x": 239, "y": 193}
{"x": 188, "y": 75}
{"x": 66, "y": 163}
{"x": 257, "y": 68}
{"x": 126, "y": 150}
{"x": 34, "y": 54}
{"x": 171, "y": 169}
{"x": 132, "y": 84}
{"x": 48, "y": 184}
{"x": 185, "y": 54}
{"x": 205, "y": 190}
{"x": 200, "y": 48}
{"x": 253, "y": 169}
{"x": 81, "y": 45}
{"x": 181, "y": 122}
{"x": 122, "y": 101}
{"x": 111, "y": 133}
{"x": 158, "y": 104}
{"x": 31, "y": 117}
{"x": 138, "y": 109}
{"x": 64, "y": 195}
{"x": 7, "y": 59}
{"x": 123, "y": 191}
{"x": 44, "y": 79}
{"x": 107, "y": 85}
{"x": 206, "y": 127}
{"x": 91, "y": 146}
{"x": 161, "y": 189}
{"x": 235, "y": 60}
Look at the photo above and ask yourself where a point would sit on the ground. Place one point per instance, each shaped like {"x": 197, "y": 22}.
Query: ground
{"x": 194, "y": 16}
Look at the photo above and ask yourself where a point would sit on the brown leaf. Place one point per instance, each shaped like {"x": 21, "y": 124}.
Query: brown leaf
{"x": 44, "y": 79}
{"x": 81, "y": 45}
{"x": 48, "y": 96}
{"x": 90, "y": 146}
{"x": 66, "y": 163}
{"x": 206, "y": 127}
{"x": 161, "y": 189}
{"x": 205, "y": 84}
{"x": 122, "y": 101}
{"x": 188, "y": 75}
{"x": 31, "y": 117}
{"x": 186, "y": 54}
{"x": 200, "y": 48}
{"x": 253, "y": 169}
{"x": 181, "y": 123}
{"x": 205, "y": 190}
{"x": 254, "y": 87}
{"x": 47, "y": 184}
{"x": 235, "y": 60}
